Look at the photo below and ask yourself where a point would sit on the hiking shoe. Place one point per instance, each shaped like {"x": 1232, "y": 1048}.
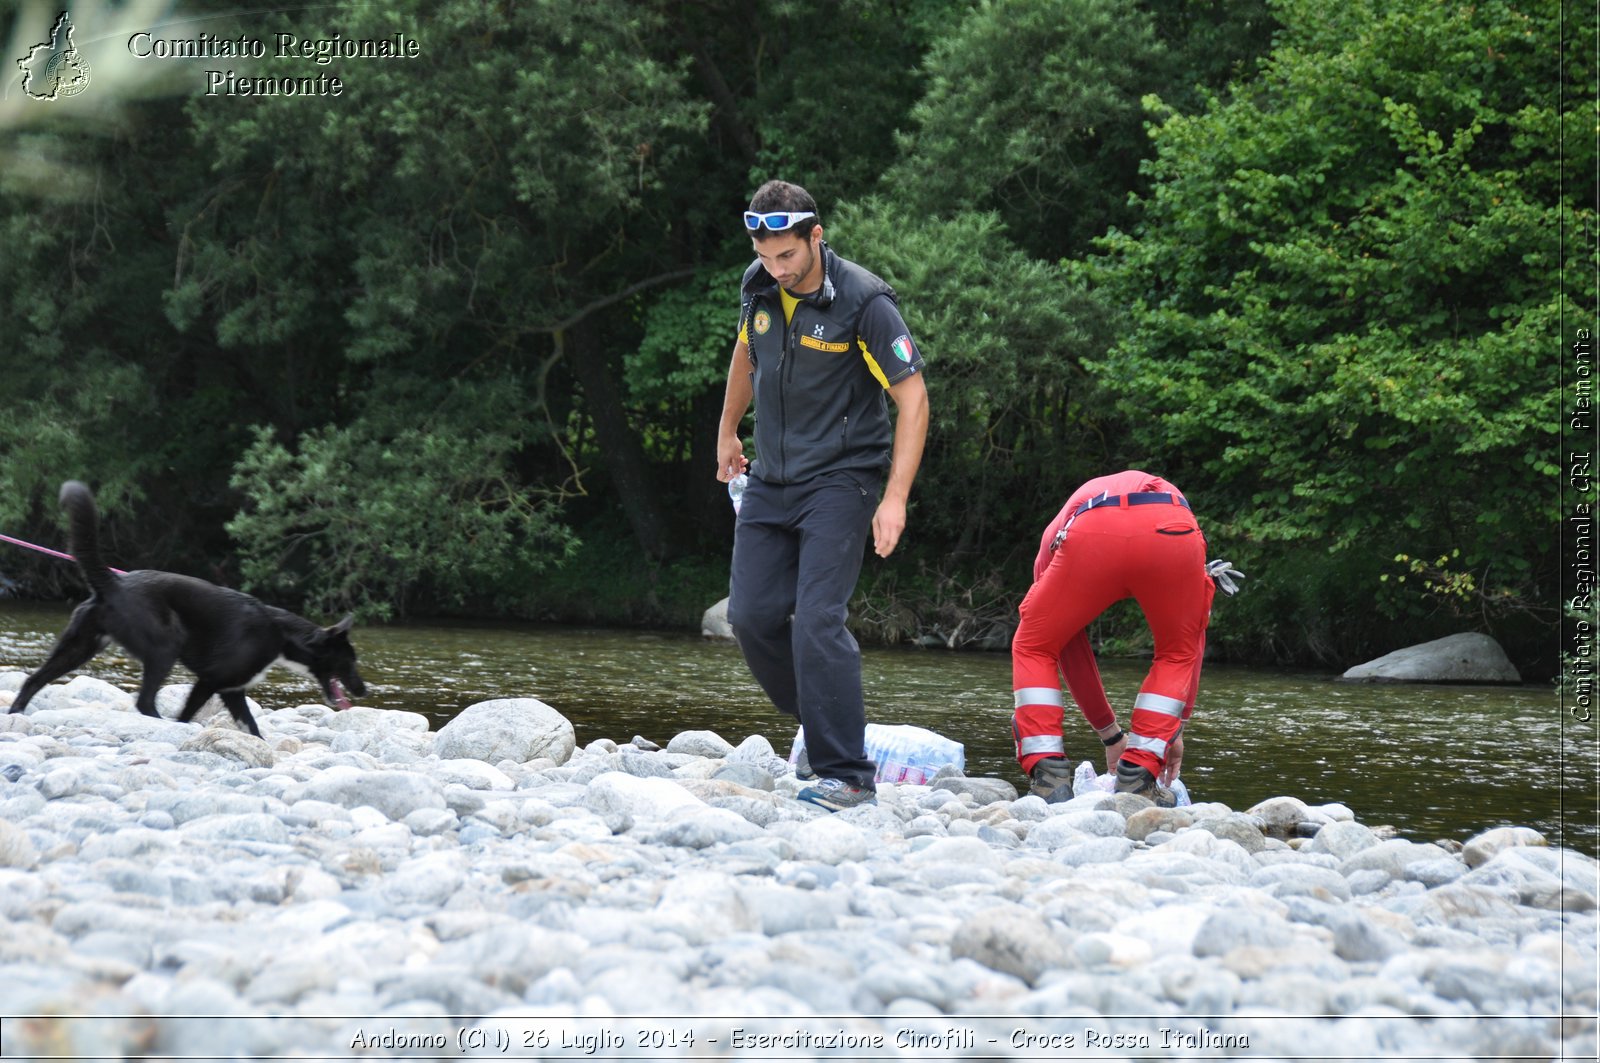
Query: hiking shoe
{"x": 1132, "y": 779}
{"x": 802, "y": 766}
{"x": 836, "y": 795}
{"x": 1051, "y": 776}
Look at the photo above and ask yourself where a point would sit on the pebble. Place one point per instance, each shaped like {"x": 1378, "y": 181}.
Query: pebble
{"x": 358, "y": 864}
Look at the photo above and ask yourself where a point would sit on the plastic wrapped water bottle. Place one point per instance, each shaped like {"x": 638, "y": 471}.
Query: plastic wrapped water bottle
{"x": 911, "y": 754}
{"x": 902, "y": 753}
{"x": 736, "y": 488}
{"x": 890, "y": 761}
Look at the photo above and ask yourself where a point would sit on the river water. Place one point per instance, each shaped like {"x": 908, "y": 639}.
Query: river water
{"x": 1431, "y": 761}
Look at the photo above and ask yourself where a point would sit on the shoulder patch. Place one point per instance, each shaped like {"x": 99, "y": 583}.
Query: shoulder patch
{"x": 762, "y": 322}
{"x": 903, "y": 350}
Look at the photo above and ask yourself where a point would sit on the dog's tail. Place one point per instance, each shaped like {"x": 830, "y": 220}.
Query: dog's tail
{"x": 83, "y": 523}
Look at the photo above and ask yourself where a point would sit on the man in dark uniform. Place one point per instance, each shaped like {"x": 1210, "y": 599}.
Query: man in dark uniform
{"x": 821, "y": 343}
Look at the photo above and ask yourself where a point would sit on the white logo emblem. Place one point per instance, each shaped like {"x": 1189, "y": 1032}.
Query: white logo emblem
{"x": 54, "y": 69}
{"x": 817, "y": 332}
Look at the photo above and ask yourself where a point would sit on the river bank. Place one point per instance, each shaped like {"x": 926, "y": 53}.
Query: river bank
{"x": 357, "y": 864}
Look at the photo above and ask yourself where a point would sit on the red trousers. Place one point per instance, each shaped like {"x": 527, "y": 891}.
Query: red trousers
{"x": 1152, "y": 553}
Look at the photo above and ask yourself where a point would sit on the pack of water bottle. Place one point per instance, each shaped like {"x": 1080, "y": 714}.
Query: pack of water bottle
{"x": 903, "y": 753}
{"x": 1087, "y": 781}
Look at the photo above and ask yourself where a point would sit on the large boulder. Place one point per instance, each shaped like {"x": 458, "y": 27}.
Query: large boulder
{"x": 229, "y": 742}
{"x": 515, "y": 729}
{"x": 1470, "y": 657}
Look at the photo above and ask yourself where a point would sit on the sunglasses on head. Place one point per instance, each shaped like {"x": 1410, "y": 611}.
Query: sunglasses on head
{"x": 775, "y": 220}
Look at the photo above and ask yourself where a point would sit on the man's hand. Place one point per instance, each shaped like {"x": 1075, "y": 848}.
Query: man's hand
{"x": 1114, "y": 753}
{"x": 735, "y": 401}
{"x": 1169, "y": 770}
{"x": 887, "y": 524}
{"x": 730, "y": 458}
{"x": 910, "y": 430}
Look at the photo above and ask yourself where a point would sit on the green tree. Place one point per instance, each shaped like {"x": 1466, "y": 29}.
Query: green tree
{"x": 1002, "y": 336}
{"x": 498, "y": 215}
{"x": 1025, "y": 145}
{"x": 450, "y": 524}
{"x": 1032, "y": 108}
{"x": 810, "y": 92}
{"x": 456, "y": 221}
{"x": 1340, "y": 289}
{"x": 97, "y": 383}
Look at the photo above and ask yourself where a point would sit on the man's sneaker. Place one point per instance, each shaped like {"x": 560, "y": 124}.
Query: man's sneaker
{"x": 836, "y": 795}
{"x": 1051, "y": 776}
{"x": 1132, "y": 779}
{"x": 802, "y": 766}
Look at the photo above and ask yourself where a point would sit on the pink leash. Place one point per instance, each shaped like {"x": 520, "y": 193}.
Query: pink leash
{"x": 47, "y": 550}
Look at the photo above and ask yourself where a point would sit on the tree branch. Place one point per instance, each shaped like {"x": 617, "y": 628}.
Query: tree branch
{"x": 727, "y": 105}
{"x": 615, "y": 297}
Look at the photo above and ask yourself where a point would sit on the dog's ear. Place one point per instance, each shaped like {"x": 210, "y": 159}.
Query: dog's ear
{"x": 343, "y": 626}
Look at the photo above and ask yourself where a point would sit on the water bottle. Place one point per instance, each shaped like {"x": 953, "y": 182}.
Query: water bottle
{"x": 910, "y": 754}
{"x": 736, "y": 488}
{"x": 1181, "y": 793}
{"x": 881, "y": 753}
{"x": 893, "y": 766}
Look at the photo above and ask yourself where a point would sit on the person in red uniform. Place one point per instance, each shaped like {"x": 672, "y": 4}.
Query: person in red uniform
{"x": 1127, "y": 535}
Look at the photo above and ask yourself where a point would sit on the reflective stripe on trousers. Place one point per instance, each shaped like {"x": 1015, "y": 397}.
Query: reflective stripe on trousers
{"x": 1036, "y": 724}
{"x": 1154, "y": 554}
{"x": 1157, "y": 719}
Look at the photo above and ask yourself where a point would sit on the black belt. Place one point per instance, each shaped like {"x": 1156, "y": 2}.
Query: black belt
{"x": 1137, "y": 498}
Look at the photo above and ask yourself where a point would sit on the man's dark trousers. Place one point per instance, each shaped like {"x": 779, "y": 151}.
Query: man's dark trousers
{"x": 797, "y": 551}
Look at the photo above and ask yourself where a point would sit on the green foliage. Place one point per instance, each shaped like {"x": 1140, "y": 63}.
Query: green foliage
{"x": 608, "y": 581}
{"x": 1337, "y": 293}
{"x": 828, "y": 85}
{"x": 1209, "y": 44}
{"x": 687, "y": 338}
{"x": 88, "y": 366}
{"x": 431, "y": 212}
{"x": 1002, "y": 335}
{"x": 387, "y": 510}
{"x": 71, "y": 406}
{"x": 1032, "y": 108}
{"x": 486, "y": 296}
{"x": 1032, "y": 111}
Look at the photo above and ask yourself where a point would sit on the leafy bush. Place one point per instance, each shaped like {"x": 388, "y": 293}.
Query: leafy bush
{"x": 380, "y": 513}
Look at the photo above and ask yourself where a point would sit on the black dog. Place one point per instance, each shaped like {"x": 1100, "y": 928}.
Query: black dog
{"x": 226, "y": 638}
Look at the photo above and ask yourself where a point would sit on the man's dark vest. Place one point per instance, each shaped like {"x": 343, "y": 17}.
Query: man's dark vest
{"x": 819, "y": 409}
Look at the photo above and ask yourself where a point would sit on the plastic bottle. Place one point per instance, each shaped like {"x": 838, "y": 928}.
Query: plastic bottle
{"x": 1180, "y": 792}
{"x": 898, "y": 760}
{"x": 911, "y": 754}
{"x": 884, "y": 753}
{"x": 736, "y": 488}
